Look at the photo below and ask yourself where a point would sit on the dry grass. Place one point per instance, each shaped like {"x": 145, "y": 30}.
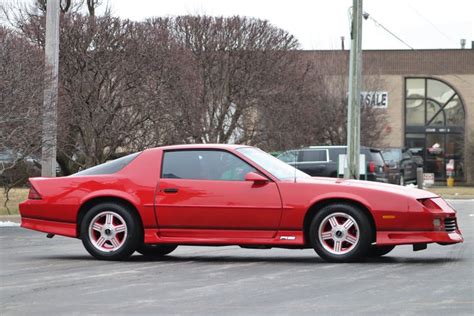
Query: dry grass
{"x": 454, "y": 192}
{"x": 15, "y": 196}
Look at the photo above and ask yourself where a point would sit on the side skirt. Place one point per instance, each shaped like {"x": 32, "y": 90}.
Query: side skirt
{"x": 222, "y": 237}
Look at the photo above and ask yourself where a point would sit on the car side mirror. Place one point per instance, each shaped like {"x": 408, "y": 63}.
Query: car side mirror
{"x": 255, "y": 178}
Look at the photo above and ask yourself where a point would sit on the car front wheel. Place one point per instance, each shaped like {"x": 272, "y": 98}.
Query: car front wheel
{"x": 109, "y": 231}
{"x": 340, "y": 233}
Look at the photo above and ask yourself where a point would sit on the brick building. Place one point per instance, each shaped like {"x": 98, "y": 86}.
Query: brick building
{"x": 428, "y": 96}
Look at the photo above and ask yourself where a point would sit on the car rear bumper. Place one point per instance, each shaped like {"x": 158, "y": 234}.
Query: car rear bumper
{"x": 377, "y": 177}
{"x": 51, "y": 227}
{"x": 418, "y": 237}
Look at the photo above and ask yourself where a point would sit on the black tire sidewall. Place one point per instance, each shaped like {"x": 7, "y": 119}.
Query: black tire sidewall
{"x": 378, "y": 251}
{"x": 133, "y": 232}
{"x": 156, "y": 250}
{"x": 365, "y": 233}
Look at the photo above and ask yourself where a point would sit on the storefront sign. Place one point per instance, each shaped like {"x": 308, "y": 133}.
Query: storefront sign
{"x": 342, "y": 164}
{"x": 437, "y": 130}
{"x": 375, "y": 99}
{"x": 428, "y": 179}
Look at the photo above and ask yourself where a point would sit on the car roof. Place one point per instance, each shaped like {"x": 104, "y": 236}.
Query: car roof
{"x": 336, "y": 147}
{"x": 199, "y": 146}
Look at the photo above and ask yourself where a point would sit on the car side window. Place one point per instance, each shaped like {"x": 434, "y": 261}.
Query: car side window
{"x": 314, "y": 155}
{"x": 204, "y": 165}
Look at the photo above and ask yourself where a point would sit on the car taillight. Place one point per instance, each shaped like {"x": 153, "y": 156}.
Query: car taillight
{"x": 33, "y": 194}
{"x": 430, "y": 204}
{"x": 371, "y": 166}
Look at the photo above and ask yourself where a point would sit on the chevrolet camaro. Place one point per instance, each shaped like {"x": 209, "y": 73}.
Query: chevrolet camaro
{"x": 153, "y": 201}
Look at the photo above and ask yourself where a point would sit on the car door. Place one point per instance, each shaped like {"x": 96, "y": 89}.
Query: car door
{"x": 409, "y": 166}
{"x": 204, "y": 192}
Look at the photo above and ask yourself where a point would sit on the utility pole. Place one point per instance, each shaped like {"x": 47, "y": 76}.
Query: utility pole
{"x": 355, "y": 83}
{"x": 48, "y": 150}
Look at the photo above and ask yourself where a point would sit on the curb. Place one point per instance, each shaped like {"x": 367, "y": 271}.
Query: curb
{"x": 10, "y": 218}
{"x": 458, "y": 197}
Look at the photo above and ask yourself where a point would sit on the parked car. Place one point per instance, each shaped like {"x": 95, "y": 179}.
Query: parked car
{"x": 402, "y": 164}
{"x": 417, "y": 154}
{"x": 158, "y": 199}
{"x": 322, "y": 161}
{"x": 15, "y": 169}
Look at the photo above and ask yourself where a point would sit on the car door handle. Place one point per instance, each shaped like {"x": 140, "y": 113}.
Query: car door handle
{"x": 170, "y": 190}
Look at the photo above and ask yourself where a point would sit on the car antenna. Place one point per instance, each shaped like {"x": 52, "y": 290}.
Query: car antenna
{"x": 294, "y": 177}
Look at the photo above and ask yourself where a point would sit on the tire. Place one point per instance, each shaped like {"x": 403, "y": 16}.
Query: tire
{"x": 402, "y": 179}
{"x": 334, "y": 242}
{"x": 379, "y": 251}
{"x": 156, "y": 251}
{"x": 110, "y": 231}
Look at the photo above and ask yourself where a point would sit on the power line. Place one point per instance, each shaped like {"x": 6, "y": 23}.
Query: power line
{"x": 367, "y": 16}
{"x": 431, "y": 23}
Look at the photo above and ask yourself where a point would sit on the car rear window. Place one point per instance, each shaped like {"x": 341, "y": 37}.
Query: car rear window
{"x": 391, "y": 154}
{"x": 376, "y": 157}
{"x": 108, "y": 167}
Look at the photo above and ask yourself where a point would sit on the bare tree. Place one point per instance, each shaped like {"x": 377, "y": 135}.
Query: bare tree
{"x": 125, "y": 86}
{"x": 21, "y": 77}
{"x": 331, "y": 88}
{"x": 119, "y": 81}
{"x": 240, "y": 62}
{"x": 20, "y": 95}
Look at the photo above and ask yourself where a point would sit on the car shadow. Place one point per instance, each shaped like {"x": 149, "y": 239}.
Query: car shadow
{"x": 295, "y": 260}
{"x": 262, "y": 259}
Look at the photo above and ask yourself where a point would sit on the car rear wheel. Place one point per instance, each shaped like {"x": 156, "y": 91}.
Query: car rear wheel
{"x": 156, "y": 250}
{"x": 340, "y": 233}
{"x": 379, "y": 251}
{"x": 110, "y": 231}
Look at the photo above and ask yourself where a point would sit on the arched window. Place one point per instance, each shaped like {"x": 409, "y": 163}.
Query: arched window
{"x": 434, "y": 124}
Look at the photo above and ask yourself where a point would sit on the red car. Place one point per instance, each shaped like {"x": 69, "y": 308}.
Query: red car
{"x": 160, "y": 198}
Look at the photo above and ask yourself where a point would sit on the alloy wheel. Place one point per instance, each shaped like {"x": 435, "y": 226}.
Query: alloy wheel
{"x": 108, "y": 231}
{"x": 338, "y": 233}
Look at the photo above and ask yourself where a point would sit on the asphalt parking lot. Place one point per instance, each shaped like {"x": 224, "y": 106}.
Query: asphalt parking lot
{"x": 40, "y": 276}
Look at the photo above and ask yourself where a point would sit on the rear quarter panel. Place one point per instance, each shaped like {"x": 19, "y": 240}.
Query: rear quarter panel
{"x": 62, "y": 197}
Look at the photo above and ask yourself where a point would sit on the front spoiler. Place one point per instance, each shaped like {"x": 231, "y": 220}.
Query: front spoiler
{"x": 417, "y": 237}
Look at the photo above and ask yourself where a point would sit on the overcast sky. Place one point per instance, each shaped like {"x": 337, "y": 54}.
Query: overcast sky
{"x": 319, "y": 24}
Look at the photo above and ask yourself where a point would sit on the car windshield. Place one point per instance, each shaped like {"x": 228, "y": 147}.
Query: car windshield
{"x": 391, "y": 154}
{"x": 271, "y": 164}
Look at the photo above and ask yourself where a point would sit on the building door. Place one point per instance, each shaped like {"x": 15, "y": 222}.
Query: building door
{"x": 434, "y": 125}
{"x": 434, "y": 155}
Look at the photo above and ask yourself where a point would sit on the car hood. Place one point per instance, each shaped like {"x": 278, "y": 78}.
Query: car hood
{"x": 372, "y": 186}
